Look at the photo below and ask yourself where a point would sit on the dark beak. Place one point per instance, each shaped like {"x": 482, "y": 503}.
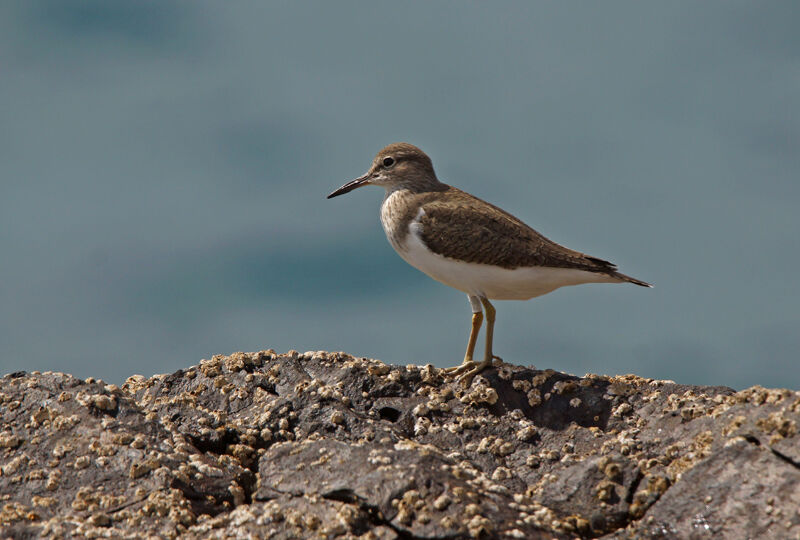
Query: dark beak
{"x": 350, "y": 186}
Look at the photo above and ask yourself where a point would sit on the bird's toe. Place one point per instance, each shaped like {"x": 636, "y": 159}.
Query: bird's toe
{"x": 455, "y": 371}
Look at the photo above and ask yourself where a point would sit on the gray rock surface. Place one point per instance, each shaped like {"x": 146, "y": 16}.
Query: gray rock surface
{"x": 326, "y": 445}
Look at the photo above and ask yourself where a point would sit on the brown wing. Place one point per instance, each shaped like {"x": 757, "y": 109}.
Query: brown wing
{"x": 488, "y": 235}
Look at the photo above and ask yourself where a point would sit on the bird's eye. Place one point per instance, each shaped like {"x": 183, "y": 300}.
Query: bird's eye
{"x": 388, "y": 161}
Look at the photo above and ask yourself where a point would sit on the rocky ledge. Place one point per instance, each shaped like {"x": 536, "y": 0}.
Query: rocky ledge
{"x": 326, "y": 445}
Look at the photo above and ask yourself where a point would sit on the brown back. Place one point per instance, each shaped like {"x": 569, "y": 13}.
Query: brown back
{"x": 458, "y": 225}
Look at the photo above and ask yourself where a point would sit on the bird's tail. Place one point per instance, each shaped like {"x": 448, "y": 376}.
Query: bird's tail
{"x": 629, "y": 279}
{"x": 610, "y": 269}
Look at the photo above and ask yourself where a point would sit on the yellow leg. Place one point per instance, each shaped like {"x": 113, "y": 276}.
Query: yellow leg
{"x": 477, "y": 319}
{"x": 490, "y": 316}
{"x": 470, "y": 368}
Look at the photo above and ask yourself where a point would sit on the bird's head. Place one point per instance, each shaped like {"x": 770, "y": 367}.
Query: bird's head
{"x": 399, "y": 165}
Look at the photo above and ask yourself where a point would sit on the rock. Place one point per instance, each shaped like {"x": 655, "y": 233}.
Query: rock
{"x": 328, "y": 445}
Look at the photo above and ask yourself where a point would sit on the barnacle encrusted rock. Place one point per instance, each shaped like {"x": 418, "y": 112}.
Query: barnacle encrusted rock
{"x": 327, "y": 445}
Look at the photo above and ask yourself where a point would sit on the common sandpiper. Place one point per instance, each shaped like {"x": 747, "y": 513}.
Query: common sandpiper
{"x": 471, "y": 245}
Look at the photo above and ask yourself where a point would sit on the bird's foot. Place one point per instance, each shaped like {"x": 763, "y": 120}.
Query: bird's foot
{"x": 467, "y": 371}
{"x": 467, "y": 376}
{"x": 455, "y": 371}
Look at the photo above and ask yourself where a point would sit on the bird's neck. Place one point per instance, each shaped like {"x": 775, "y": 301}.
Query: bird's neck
{"x": 416, "y": 185}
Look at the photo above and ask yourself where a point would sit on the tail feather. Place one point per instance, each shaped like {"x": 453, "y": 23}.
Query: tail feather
{"x": 629, "y": 279}
{"x": 610, "y": 268}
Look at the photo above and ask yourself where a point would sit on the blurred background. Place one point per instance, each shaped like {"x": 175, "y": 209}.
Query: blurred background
{"x": 164, "y": 167}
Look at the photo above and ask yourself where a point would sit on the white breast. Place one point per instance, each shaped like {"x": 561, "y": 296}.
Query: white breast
{"x": 391, "y": 218}
{"x": 482, "y": 279}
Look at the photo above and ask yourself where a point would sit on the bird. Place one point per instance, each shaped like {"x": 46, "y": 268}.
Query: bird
{"x": 470, "y": 245}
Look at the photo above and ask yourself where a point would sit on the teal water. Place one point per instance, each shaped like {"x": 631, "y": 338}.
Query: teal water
{"x": 164, "y": 166}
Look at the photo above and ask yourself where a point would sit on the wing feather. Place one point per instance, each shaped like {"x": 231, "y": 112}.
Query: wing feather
{"x": 467, "y": 228}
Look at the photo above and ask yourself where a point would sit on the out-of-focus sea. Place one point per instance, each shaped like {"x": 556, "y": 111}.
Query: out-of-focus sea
{"x": 164, "y": 166}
